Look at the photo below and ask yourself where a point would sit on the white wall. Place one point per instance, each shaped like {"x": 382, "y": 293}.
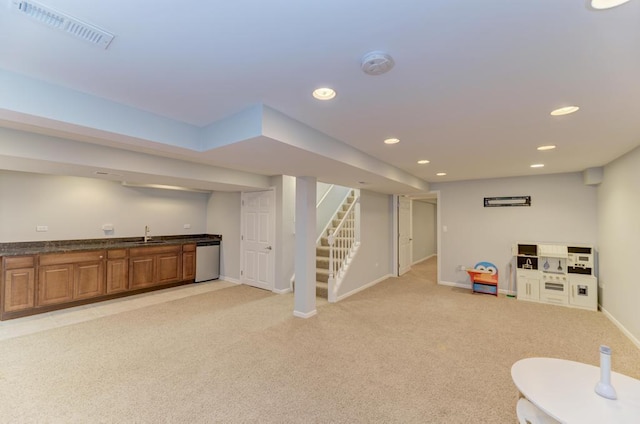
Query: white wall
{"x": 618, "y": 234}
{"x": 76, "y": 208}
{"x": 375, "y": 256}
{"x": 223, "y": 217}
{"x": 562, "y": 209}
{"x": 423, "y": 232}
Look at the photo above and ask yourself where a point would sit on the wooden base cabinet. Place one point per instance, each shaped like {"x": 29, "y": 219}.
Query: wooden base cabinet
{"x": 39, "y": 283}
{"x": 141, "y": 272}
{"x": 55, "y": 284}
{"x": 117, "y": 271}
{"x": 65, "y": 277}
{"x": 156, "y": 265}
{"x": 88, "y": 280}
{"x": 189, "y": 262}
{"x": 168, "y": 268}
{"x": 19, "y": 283}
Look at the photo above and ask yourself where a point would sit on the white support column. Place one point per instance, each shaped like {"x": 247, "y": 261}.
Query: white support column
{"x": 305, "y": 258}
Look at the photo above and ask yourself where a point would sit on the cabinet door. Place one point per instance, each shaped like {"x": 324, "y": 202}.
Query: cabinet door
{"x": 19, "y": 288}
{"x": 168, "y": 268}
{"x": 528, "y": 288}
{"x": 55, "y": 284}
{"x": 141, "y": 272}
{"x": 583, "y": 292}
{"x": 89, "y": 280}
{"x": 117, "y": 275}
{"x": 188, "y": 265}
{"x": 522, "y": 289}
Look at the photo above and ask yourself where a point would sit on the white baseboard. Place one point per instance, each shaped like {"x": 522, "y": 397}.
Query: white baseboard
{"x": 617, "y": 323}
{"x": 366, "y": 286}
{"x": 305, "y": 315}
{"x": 468, "y": 287}
{"x": 424, "y": 259}
{"x": 230, "y": 280}
{"x": 458, "y": 285}
{"x": 282, "y": 291}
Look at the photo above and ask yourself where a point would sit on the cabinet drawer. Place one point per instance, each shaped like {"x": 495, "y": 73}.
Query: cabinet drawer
{"x": 117, "y": 253}
{"x": 557, "y": 299}
{"x": 16, "y": 262}
{"x": 154, "y": 250}
{"x": 71, "y": 257}
{"x": 188, "y": 247}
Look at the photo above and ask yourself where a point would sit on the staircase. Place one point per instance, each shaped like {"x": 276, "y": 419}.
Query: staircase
{"x": 323, "y": 248}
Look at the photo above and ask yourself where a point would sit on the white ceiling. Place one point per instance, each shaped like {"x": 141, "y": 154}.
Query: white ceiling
{"x": 471, "y": 90}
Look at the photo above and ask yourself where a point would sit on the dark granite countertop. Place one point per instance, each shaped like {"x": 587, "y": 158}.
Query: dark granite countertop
{"x": 61, "y": 246}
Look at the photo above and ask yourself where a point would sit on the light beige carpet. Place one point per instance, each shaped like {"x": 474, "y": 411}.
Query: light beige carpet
{"x": 404, "y": 351}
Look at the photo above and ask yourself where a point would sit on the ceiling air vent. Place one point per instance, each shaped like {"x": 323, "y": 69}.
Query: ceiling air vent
{"x": 63, "y": 22}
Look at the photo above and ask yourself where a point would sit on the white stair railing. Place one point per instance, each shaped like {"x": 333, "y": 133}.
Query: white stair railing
{"x": 344, "y": 240}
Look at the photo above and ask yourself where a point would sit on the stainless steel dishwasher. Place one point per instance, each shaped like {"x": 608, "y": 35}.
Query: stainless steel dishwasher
{"x": 207, "y": 260}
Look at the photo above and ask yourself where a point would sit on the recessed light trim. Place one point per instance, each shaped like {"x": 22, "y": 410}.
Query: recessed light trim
{"x": 564, "y": 110}
{"x": 324, "y": 93}
{"x": 441, "y": 174}
{"x": 538, "y": 165}
{"x": 392, "y": 141}
{"x": 547, "y": 147}
{"x": 423, "y": 161}
{"x": 606, "y": 4}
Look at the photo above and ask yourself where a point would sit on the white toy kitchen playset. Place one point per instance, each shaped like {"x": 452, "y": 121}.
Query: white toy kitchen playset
{"x": 557, "y": 274}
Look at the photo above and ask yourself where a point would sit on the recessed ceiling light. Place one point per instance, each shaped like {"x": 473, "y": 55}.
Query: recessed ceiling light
{"x": 606, "y": 4}
{"x": 441, "y": 174}
{"x": 423, "y": 161}
{"x": 324, "y": 93}
{"x": 392, "y": 141}
{"x": 538, "y": 165}
{"x": 547, "y": 147}
{"x": 564, "y": 110}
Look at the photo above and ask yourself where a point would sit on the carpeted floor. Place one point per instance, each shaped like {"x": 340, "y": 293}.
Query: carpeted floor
{"x": 404, "y": 351}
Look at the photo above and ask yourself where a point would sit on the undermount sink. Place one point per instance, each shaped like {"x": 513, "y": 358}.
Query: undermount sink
{"x": 144, "y": 243}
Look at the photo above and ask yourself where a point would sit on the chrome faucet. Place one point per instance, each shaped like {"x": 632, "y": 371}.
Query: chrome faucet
{"x": 147, "y": 230}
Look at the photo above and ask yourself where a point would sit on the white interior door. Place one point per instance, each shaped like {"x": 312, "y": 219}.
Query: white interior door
{"x": 404, "y": 235}
{"x": 258, "y": 229}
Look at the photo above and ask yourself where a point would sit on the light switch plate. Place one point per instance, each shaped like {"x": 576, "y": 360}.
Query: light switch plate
{"x": 42, "y": 228}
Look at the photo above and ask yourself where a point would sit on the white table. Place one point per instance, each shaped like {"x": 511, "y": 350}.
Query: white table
{"x": 565, "y": 391}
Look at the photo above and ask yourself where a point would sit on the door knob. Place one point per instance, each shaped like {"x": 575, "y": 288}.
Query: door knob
{"x": 268, "y": 248}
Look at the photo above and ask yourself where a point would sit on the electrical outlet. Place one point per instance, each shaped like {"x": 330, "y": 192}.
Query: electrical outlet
{"x": 462, "y": 268}
{"x": 42, "y": 228}
{"x": 186, "y": 226}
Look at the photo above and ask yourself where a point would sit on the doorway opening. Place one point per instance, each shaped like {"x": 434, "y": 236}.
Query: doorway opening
{"x": 417, "y": 232}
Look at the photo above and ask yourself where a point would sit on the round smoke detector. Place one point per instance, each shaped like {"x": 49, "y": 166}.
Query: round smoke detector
{"x": 376, "y": 63}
